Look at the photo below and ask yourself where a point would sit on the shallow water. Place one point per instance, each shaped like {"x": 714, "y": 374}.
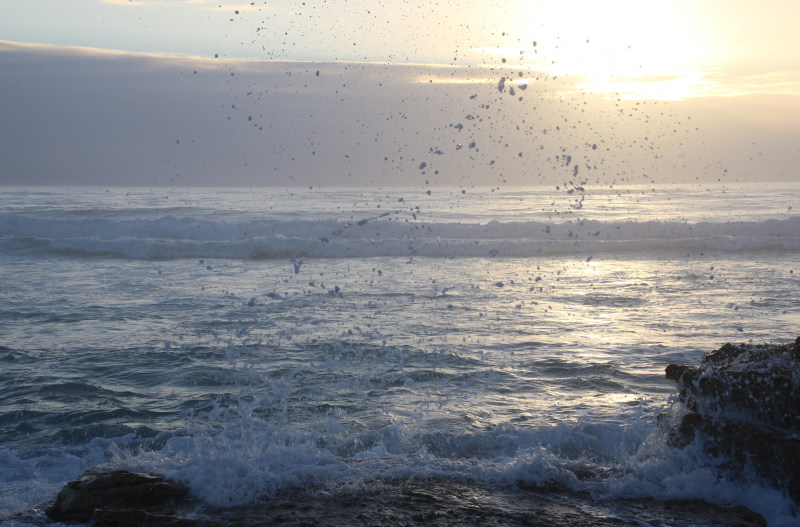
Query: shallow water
{"x": 254, "y": 343}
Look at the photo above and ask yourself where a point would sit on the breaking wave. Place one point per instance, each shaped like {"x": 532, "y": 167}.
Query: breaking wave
{"x": 173, "y": 237}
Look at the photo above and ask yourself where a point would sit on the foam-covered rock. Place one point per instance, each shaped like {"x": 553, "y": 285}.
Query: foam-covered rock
{"x": 743, "y": 403}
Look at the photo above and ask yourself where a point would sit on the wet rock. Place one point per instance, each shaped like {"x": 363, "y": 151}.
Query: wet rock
{"x": 456, "y": 503}
{"x": 743, "y": 403}
{"x": 119, "y": 498}
{"x": 406, "y": 503}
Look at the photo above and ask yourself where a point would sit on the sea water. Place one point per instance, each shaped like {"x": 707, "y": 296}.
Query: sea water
{"x": 253, "y": 342}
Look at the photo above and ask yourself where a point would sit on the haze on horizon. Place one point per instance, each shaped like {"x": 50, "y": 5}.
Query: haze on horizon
{"x": 190, "y": 93}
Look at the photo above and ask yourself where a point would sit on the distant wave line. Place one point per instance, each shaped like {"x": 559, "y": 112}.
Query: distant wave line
{"x": 171, "y": 237}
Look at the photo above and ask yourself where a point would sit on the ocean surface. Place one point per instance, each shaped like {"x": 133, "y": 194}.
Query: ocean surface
{"x": 253, "y": 343}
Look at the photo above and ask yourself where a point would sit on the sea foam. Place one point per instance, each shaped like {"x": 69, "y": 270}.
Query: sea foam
{"x": 171, "y": 237}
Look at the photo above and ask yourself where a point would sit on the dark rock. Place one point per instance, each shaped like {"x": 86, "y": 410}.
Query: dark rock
{"x": 449, "y": 503}
{"x": 406, "y": 503}
{"x": 675, "y": 372}
{"x": 743, "y": 403}
{"x": 94, "y": 496}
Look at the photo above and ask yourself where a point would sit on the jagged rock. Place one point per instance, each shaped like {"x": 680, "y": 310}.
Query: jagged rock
{"x": 743, "y": 402}
{"x": 126, "y": 496}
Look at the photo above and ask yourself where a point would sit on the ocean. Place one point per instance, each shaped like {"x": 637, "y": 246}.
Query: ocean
{"x": 259, "y": 343}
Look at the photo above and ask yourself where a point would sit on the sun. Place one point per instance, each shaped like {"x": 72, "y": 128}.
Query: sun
{"x": 653, "y": 49}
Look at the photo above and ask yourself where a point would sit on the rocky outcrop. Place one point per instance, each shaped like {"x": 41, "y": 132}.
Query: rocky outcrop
{"x": 743, "y": 403}
{"x": 398, "y": 503}
{"x": 120, "y": 498}
{"x": 123, "y": 499}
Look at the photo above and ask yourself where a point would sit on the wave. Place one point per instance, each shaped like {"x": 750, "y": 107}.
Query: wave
{"x": 172, "y": 237}
{"x": 241, "y": 466}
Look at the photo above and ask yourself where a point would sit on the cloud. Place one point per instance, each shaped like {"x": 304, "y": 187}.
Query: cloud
{"x": 158, "y": 2}
{"x": 82, "y": 115}
{"x": 785, "y": 82}
{"x": 133, "y": 2}
{"x": 211, "y": 5}
{"x": 667, "y": 84}
{"x": 100, "y": 117}
{"x": 32, "y": 49}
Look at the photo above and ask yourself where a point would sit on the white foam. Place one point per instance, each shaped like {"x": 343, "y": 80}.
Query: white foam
{"x": 174, "y": 238}
{"x": 238, "y": 460}
{"x": 25, "y": 482}
{"x": 248, "y": 459}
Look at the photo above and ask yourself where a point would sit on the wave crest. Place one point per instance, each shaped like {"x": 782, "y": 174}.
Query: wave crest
{"x": 171, "y": 237}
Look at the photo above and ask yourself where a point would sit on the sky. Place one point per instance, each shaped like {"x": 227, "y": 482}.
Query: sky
{"x": 356, "y": 92}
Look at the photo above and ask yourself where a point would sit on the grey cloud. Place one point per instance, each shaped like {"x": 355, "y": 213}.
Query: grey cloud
{"x": 76, "y": 116}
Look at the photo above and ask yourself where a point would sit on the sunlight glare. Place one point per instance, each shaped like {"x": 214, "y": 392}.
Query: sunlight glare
{"x": 638, "y": 49}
